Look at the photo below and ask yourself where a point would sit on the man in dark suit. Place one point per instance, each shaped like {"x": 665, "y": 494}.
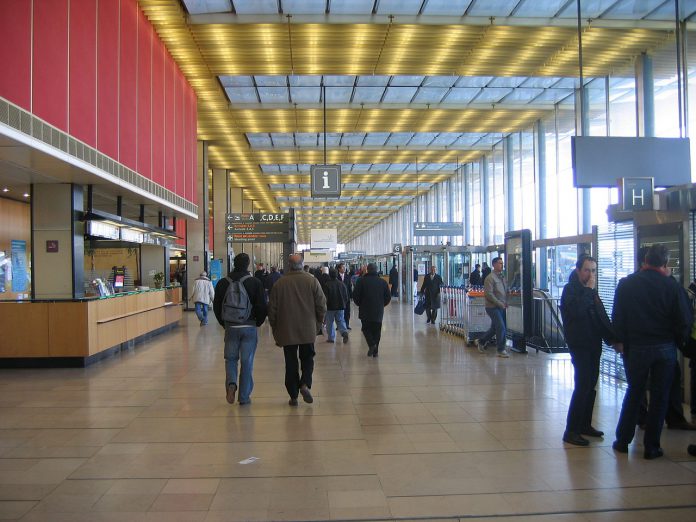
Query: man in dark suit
{"x": 371, "y": 294}
{"x": 432, "y": 283}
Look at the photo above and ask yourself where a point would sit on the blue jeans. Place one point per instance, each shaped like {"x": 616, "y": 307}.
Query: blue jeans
{"x": 497, "y": 328}
{"x": 329, "y": 318}
{"x": 657, "y": 362}
{"x": 202, "y": 312}
{"x": 240, "y": 345}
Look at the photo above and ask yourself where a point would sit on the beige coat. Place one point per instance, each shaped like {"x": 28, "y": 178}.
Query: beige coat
{"x": 296, "y": 308}
{"x": 495, "y": 291}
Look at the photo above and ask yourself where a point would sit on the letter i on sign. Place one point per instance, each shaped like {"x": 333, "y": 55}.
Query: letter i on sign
{"x": 325, "y": 177}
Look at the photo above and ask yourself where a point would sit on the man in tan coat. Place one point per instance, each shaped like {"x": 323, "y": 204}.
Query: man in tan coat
{"x": 296, "y": 311}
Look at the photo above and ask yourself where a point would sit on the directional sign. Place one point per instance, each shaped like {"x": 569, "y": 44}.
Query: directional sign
{"x": 257, "y": 228}
{"x": 438, "y": 229}
{"x": 637, "y": 193}
{"x": 396, "y": 248}
{"x": 326, "y": 181}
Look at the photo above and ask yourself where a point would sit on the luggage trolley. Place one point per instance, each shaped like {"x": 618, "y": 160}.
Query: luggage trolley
{"x": 463, "y": 313}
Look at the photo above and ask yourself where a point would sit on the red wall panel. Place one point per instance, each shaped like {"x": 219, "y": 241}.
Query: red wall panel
{"x": 194, "y": 144}
{"x": 179, "y": 134}
{"x": 83, "y": 71}
{"x": 187, "y": 142}
{"x": 15, "y": 52}
{"x": 180, "y": 230}
{"x": 128, "y": 68}
{"x": 144, "y": 128}
{"x": 107, "y": 77}
{"x": 50, "y": 63}
{"x": 169, "y": 143}
{"x": 158, "y": 57}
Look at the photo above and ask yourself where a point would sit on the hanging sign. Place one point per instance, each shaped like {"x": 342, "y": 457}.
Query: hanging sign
{"x": 326, "y": 181}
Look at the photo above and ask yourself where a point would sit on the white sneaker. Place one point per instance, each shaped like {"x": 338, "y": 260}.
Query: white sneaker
{"x": 481, "y": 347}
{"x": 504, "y": 354}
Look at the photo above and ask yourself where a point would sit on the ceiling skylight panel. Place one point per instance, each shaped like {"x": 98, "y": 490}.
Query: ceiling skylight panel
{"x": 493, "y": 8}
{"x": 539, "y": 82}
{"x": 305, "y": 94}
{"x": 270, "y": 169}
{"x": 461, "y": 95}
{"x": 507, "y": 81}
{"x": 444, "y": 139}
{"x": 282, "y": 140}
{"x": 399, "y": 7}
{"x": 399, "y": 138}
{"x": 256, "y": 6}
{"x": 308, "y": 139}
{"x": 351, "y": 6}
{"x": 430, "y": 94}
{"x": 376, "y": 139}
{"x": 446, "y": 7}
{"x": 339, "y": 81}
{"x": 304, "y": 6}
{"x": 303, "y": 80}
{"x": 259, "y": 140}
{"x": 288, "y": 169}
{"x": 473, "y": 81}
{"x": 236, "y": 81}
{"x": 368, "y": 94}
{"x": 373, "y": 81}
{"x": 352, "y": 139}
{"x": 592, "y": 8}
{"x": 304, "y": 168}
{"x": 522, "y": 95}
{"x": 242, "y": 94}
{"x": 468, "y": 140}
{"x": 333, "y": 139}
{"x": 207, "y": 6}
{"x": 338, "y": 94}
{"x": 449, "y": 166}
{"x": 271, "y": 81}
{"x": 397, "y": 167}
{"x": 540, "y": 8}
{"x": 361, "y": 167}
{"x": 492, "y": 94}
{"x": 379, "y": 167}
{"x": 439, "y": 81}
{"x": 274, "y": 94}
{"x": 422, "y": 138}
{"x": 406, "y": 81}
{"x": 399, "y": 94}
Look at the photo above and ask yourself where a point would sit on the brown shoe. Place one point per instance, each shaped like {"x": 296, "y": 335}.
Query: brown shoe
{"x": 231, "y": 390}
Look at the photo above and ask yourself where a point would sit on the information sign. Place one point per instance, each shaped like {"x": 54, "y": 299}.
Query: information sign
{"x": 326, "y": 180}
{"x": 324, "y": 238}
{"x": 257, "y": 228}
{"x": 637, "y": 193}
{"x": 396, "y": 248}
{"x": 437, "y": 229}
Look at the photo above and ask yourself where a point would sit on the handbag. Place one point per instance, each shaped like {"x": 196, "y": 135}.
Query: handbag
{"x": 420, "y": 306}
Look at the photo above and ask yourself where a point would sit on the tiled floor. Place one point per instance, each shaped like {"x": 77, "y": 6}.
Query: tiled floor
{"x": 429, "y": 429}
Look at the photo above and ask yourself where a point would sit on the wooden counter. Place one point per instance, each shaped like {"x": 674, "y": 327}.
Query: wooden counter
{"x": 83, "y": 329}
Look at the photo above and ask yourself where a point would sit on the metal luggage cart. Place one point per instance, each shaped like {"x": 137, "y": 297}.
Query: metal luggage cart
{"x": 463, "y": 313}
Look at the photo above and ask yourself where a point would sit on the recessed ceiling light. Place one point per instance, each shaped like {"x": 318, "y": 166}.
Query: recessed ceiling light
{"x": 26, "y": 194}
{"x": 5, "y": 189}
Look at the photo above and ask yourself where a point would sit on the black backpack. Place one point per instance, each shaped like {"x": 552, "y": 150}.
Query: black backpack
{"x": 236, "y": 306}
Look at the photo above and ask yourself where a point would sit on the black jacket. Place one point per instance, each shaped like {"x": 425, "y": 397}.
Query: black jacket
{"x": 475, "y": 278}
{"x": 650, "y": 308}
{"x": 431, "y": 290}
{"x": 371, "y": 294}
{"x": 585, "y": 322}
{"x": 394, "y": 276}
{"x": 253, "y": 287}
{"x": 347, "y": 283}
{"x": 336, "y": 295}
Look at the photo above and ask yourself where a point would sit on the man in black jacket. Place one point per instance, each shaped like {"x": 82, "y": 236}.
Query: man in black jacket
{"x": 240, "y": 339}
{"x": 432, "y": 284}
{"x": 345, "y": 278}
{"x": 651, "y": 317}
{"x": 394, "y": 281}
{"x": 336, "y": 302}
{"x": 475, "y": 276}
{"x": 584, "y": 330}
{"x": 371, "y": 294}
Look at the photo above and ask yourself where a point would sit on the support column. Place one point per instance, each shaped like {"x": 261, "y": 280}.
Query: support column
{"x": 221, "y": 205}
{"x": 583, "y": 125}
{"x": 509, "y": 184}
{"x": 645, "y": 96}
{"x": 485, "y": 189}
{"x": 197, "y": 229}
{"x": 541, "y": 197}
{"x": 57, "y": 246}
{"x": 466, "y": 212}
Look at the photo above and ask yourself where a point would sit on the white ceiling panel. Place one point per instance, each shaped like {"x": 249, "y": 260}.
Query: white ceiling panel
{"x": 367, "y": 94}
{"x": 207, "y": 6}
{"x": 351, "y": 6}
{"x": 242, "y": 94}
{"x": 430, "y": 94}
{"x": 274, "y": 94}
{"x": 446, "y": 7}
{"x": 399, "y": 94}
{"x": 305, "y": 94}
{"x": 256, "y": 6}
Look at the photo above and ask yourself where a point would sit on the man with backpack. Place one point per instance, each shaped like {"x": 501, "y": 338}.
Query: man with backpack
{"x": 296, "y": 310}
{"x": 240, "y": 307}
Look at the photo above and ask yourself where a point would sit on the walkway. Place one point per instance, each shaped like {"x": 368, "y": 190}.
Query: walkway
{"x": 429, "y": 429}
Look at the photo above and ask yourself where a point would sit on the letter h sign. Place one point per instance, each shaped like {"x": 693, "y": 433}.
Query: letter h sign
{"x": 637, "y": 193}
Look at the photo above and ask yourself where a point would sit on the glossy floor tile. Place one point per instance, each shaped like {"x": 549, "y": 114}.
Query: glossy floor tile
{"x": 430, "y": 429}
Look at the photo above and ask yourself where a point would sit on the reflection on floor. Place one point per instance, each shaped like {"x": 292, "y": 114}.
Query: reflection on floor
{"x": 429, "y": 429}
